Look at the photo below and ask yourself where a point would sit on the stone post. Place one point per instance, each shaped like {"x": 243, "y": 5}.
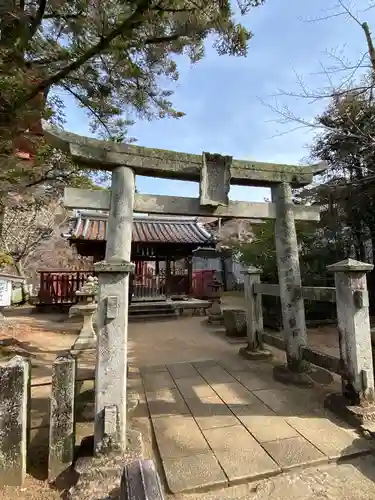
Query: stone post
{"x": 254, "y": 317}
{"x": 292, "y": 305}
{"x": 14, "y": 392}
{"x": 62, "y": 425}
{"x": 112, "y": 314}
{"x": 354, "y": 330}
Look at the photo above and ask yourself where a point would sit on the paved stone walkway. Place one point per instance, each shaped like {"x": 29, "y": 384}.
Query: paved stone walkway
{"x": 219, "y": 423}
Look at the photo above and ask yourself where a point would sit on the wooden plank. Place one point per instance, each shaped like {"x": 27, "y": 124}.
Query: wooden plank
{"x": 174, "y": 205}
{"x": 105, "y": 155}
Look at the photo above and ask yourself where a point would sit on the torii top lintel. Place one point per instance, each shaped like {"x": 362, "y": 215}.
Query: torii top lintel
{"x": 106, "y": 155}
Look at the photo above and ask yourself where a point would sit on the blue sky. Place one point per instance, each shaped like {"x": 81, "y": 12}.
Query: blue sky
{"x": 222, "y": 96}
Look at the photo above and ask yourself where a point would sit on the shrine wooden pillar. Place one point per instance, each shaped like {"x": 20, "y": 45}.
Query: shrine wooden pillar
{"x": 167, "y": 275}
{"x": 189, "y": 266}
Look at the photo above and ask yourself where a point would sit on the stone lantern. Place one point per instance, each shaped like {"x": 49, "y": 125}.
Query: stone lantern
{"x": 86, "y": 308}
{"x": 215, "y": 315}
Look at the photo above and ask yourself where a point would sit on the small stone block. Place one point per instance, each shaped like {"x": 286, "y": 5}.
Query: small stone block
{"x": 178, "y": 436}
{"x": 14, "y": 383}
{"x": 193, "y": 473}
{"x": 140, "y": 481}
{"x": 294, "y": 452}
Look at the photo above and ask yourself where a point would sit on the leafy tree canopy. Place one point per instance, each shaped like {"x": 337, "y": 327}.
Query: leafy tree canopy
{"x": 111, "y": 56}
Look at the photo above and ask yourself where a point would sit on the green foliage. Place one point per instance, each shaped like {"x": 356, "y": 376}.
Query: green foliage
{"x": 113, "y": 57}
{"x": 315, "y": 252}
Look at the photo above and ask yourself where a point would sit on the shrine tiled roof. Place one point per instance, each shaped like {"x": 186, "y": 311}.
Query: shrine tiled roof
{"x": 89, "y": 227}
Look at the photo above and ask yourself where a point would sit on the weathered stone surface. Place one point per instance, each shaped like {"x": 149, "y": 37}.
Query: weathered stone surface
{"x": 62, "y": 427}
{"x": 256, "y": 381}
{"x": 211, "y": 412}
{"x": 245, "y": 465}
{"x": 215, "y": 180}
{"x": 293, "y": 311}
{"x": 287, "y": 402}
{"x": 329, "y": 438}
{"x": 216, "y": 375}
{"x": 254, "y": 310}
{"x": 194, "y": 473}
{"x": 167, "y": 164}
{"x": 158, "y": 381}
{"x": 239, "y": 454}
{"x": 178, "y": 436}
{"x": 354, "y": 330}
{"x": 182, "y": 370}
{"x": 152, "y": 369}
{"x": 166, "y": 402}
{"x": 233, "y": 393}
{"x": 87, "y": 337}
{"x": 14, "y": 389}
{"x": 294, "y": 452}
{"x": 234, "y": 322}
{"x": 177, "y": 205}
{"x": 99, "y": 477}
{"x": 263, "y": 423}
{"x": 112, "y": 315}
{"x": 140, "y": 481}
{"x": 195, "y": 387}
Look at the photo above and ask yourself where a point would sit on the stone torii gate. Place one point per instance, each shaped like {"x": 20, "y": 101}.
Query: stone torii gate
{"x": 215, "y": 173}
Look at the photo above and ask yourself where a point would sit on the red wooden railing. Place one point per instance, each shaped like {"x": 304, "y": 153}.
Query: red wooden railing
{"x": 59, "y": 287}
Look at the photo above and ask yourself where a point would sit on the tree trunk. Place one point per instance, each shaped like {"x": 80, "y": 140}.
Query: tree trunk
{"x": 25, "y": 290}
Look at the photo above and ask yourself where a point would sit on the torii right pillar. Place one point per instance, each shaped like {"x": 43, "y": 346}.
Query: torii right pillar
{"x": 292, "y": 305}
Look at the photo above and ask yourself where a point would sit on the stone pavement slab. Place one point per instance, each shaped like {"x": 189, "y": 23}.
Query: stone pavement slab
{"x": 211, "y": 412}
{"x": 256, "y": 381}
{"x": 220, "y": 424}
{"x": 216, "y": 375}
{"x": 179, "y": 436}
{"x": 263, "y": 423}
{"x": 158, "y": 380}
{"x": 288, "y": 402}
{"x": 293, "y": 452}
{"x": 166, "y": 402}
{"x": 239, "y": 454}
{"x": 334, "y": 441}
{"x": 194, "y": 473}
{"x": 195, "y": 387}
{"x": 182, "y": 370}
{"x": 233, "y": 393}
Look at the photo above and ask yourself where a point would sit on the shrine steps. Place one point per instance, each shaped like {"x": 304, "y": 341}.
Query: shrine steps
{"x": 152, "y": 310}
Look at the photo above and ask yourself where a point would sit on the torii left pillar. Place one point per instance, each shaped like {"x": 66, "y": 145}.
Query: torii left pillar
{"x": 112, "y": 317}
